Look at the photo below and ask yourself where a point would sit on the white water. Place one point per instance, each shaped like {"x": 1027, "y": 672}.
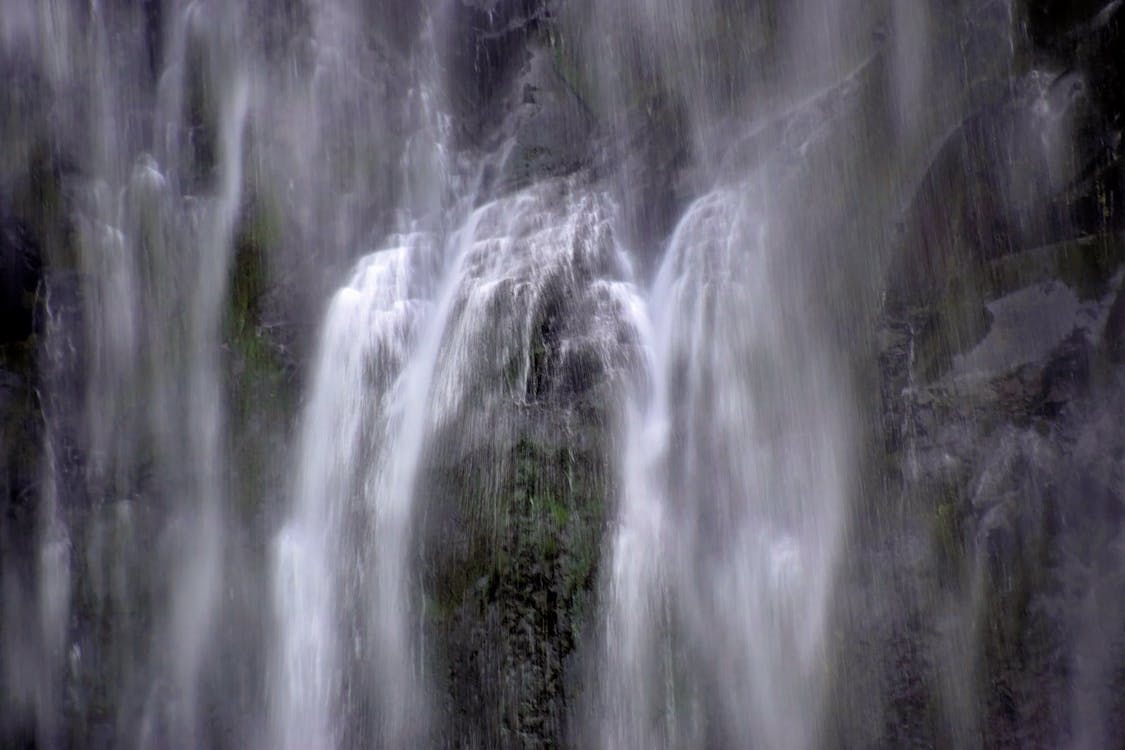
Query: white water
{"x": 234, "y": 115}
{"x": 348, "y": 521}
{"x": 401, "y": 365}
{"x": 733, "y": 471}
{"x": 733, "y": 498}
{"x": 416, "y": 352}
{"x": 154, "y": 258}
{"x": 162, "y": 608}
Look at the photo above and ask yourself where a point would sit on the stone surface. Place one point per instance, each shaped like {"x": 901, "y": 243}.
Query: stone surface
{"x": 21, "y": 267}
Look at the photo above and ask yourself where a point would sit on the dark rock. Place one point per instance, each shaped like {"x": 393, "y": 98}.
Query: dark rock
{"x": 1056, "y": 24}
{"x": 1085, "y": 39}
{"x": 1018, "y": 481}
{"x": 42, "y": 198}
{"x": 21, "y": 270}
{"x": 261, "y": 371}
{"x": 20, "y": 441}
{"x": 485, "y": 44}
{"x": 645, "y": 162}
{"x": 515, "y": 484}
{"x": 511, "y": 575}
{"x": 549, "y": 127}
{"x": 1113, "y": 336}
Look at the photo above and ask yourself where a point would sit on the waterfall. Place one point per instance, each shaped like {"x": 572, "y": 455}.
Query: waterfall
{"x": 406, "y": 353}
{"x": 732, "y": 503}
{"x": 618, "y": 374}
{"x": 154, "y": 254}
{"x": 350, "y": 521}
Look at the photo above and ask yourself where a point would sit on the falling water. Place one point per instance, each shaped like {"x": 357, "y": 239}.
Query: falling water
{"x": 155, "y": 259}
{"x": 402, "y": 366}
{"x": 151, "y": 226}
{"x": 342, "y": 500}
{"x": 703, "y": 374}
{"x": 732, "y": 505}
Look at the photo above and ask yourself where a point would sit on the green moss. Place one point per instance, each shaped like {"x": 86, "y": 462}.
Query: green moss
{"x": 259, "y": 232}
{"x": 437, "y": 609}
{"x": 257, "y": 236}
{"x": 510, "y": 538}
{"x": 259, "y": 381}
{"x": 543, "y": 515}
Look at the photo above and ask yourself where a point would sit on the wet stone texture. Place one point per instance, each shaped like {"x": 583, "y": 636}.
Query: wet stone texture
{"x": 511, "y": 595}
{"x": 999, "y": 487}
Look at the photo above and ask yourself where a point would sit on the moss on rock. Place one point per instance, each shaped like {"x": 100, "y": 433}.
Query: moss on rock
{"x": 513, "y": 543}
{"x": 261, "y": 385}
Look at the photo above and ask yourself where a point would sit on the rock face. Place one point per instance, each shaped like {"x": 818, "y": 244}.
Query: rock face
{"x": 1001, "y": 377}
{"x": 550, "y": 126}
{"x": 1010, "y": 474}
{"x": 512, "y": 601}
{"x": 21, "y": 436}
{"x": 21, "y": 266}
{"x": 517, "y": 480}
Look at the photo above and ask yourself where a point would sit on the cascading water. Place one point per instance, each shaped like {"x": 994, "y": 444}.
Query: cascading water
{"x": 399, "y": 370}
{"x": 733, "y": 500}
{"x": 324, "y": 555}
{"x": 160, "y": 213}
{"x": 154, "y": 261}
{"x": 720, "y": 373}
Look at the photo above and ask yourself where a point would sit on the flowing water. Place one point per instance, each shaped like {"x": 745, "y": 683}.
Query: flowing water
{"x": 349, "y": 516}
{"x": 576, "y": 453}
{"x": 733, "y": 500}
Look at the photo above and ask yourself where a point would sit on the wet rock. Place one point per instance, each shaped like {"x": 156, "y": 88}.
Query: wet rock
{"x": 486, "y": 44}
{"x": 646, "y": 163}
{"x": 21, "y": 269}
{"x": 1113, "y": 336}
{"x": 1007, "y": 456}
{"x": 550, "y": 127}
{"x": 508, "y": 96}
{"x": 1084, "y": 39}
{"x": 20, "y": 437}
{"x": 515, "y": 487}
{"x": 511, "y": 587}
{"x": 1000, "y": 355}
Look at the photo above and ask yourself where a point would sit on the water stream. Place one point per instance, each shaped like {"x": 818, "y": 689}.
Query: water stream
{"x": 475, "y": 373}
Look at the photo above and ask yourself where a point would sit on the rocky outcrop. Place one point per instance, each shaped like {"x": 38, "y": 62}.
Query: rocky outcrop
{"x": 512, "y": 590}
{"x": 1001, "y": 387}
{"x": 517, "y": 481}
{"x": 1007, "y": 468}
